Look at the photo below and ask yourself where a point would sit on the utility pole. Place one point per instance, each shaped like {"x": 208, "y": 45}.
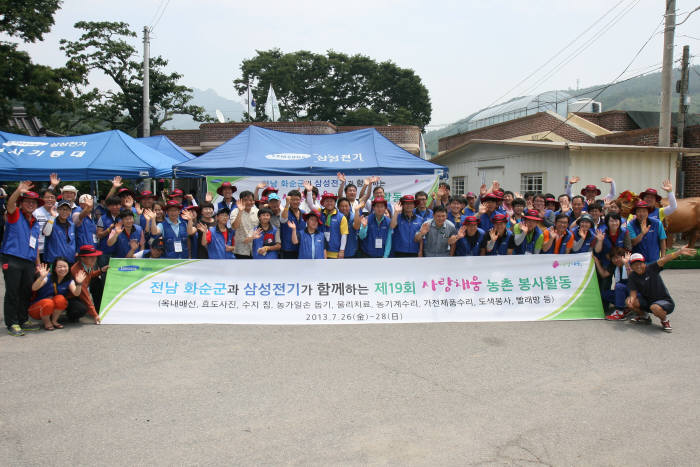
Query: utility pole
{"x": 666, "y": 75}
{"x": 683, "y": 102}
{"x": 146, "y": 84}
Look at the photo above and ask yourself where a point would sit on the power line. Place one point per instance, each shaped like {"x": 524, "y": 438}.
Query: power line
{"x": 164, "y": 4}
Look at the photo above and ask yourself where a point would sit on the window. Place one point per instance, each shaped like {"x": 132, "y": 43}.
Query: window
{"x": 531, "y": 182}
{"x": 457, "y": 187}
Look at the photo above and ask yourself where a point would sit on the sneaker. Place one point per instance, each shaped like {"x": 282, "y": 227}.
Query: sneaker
{"x": 15, "y": 330}
{"x": 640, "y": 320}
{"x": 666, "y": 326}
{"x": 615, "y": 315}
{"x": 30, "y": 326}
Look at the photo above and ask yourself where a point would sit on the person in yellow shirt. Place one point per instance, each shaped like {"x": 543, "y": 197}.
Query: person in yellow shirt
{"x": 335, "y": 227}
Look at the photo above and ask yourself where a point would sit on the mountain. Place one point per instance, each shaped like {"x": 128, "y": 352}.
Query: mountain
{"x": 642, "y": 93}
{"x": 211, "y": 101}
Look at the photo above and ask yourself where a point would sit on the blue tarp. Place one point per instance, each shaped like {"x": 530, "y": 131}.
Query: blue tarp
{"x": 162, "y": 143}
{"x": 98, "y": 156}
{"x": 258, "y": 152}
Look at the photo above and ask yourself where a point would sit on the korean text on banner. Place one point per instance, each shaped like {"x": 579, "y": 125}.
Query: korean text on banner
{"x": 394, "y": 290}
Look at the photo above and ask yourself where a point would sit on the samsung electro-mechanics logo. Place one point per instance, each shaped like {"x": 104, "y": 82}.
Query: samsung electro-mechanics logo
{"x": 129, "y": 268}
{"x": 287, "y": 156}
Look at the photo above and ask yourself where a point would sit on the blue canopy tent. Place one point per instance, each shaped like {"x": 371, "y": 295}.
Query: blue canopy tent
{"x": 162, "y": 144}
{"x": 98, "y": 156}
{"x": 260, "y": 152}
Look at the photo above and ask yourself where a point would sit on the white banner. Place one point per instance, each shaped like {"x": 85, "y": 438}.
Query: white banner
{"x": 395, "y": 186}
{"x": 394, "y": 290}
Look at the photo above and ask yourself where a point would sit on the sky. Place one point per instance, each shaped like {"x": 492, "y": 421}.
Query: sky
{"x": 469, "y": 54}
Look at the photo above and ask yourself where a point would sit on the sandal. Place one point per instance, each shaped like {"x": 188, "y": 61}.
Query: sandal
{"x": 51, "y": 328}
{"x": 58, "y": 326}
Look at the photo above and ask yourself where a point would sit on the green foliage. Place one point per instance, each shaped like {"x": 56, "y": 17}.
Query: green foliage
{"x": 343, "y": 89}
{"x": 103, "y": 47}
{"x": 27, "y": 19}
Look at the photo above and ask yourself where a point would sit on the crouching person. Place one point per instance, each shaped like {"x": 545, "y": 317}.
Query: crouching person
{"x": 617, "y": 271}
{"x": 648, "y": 293}
{"x": 81, "y": 305}
{"x": 311, "y": 240}
{"x": 50, "y": 292}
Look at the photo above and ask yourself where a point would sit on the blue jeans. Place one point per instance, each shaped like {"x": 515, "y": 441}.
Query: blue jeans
{"x": 616, "y": 296}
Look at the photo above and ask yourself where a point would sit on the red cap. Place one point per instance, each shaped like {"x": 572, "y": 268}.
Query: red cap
{"x": 147, "y": 194}
{"x": 268, "y": 190}
{"x": 88, "y": 250}
{"x": 316, "y": 214}
{"x": 492, "y": 197}
{"x": 407, "y": 199}
{"x": 379, "y": 200}
{"x": 590, "y": 188}
{"x": 643, "y": 204}
{"x": 500, "y": 218}
{"x": 650, "y": 191}
{"x": 172, "y": 204}
{"x": 34, "y": 196}
{"x": 327, "y": 195}
{"x": 470, "y": 220}
{"x": 533, "y": 215}
{"x": 177, "y": 192}
{"x": 220, "y": 190}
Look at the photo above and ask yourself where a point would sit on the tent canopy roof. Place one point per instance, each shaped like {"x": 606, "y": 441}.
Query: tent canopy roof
{"x": 97, "y": 156}
{"x": 163, "y": 144}
{"x": 260, "y": 152}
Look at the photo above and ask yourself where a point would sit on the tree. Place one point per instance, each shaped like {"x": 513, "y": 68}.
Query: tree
{"x": 103, "y": 47}
{"x": 343, "y": 89}
{"x": 44, "y": 92}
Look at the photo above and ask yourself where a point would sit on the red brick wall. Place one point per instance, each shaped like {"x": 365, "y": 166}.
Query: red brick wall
{"x": 399, "y": 134}
{"x": 691, "y": 167}
{"x": 613, "y": 120}
{"x": 181, "y": 137}
{"x": 513, "y": 128}
{"x": 691, "y": 137}
{"x": 641, "y": 137}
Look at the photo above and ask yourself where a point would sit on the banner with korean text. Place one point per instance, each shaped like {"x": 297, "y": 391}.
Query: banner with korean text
{"x": 393, "y": 290}
{"x": 394, "y": 185}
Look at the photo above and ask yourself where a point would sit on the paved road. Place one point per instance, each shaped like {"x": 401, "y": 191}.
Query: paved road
{"x": 554, "y": 393}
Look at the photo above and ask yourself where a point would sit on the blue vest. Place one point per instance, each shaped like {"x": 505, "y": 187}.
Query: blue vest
{"x": 562, "y": 246}
{"x": 266, "y": 239}
{"x": 587, "y": 243}
{"x": 222, "y": 204}
{"x": 106, "y": 222}
{"x": 501, "y": 247}
{"x": 47, "y": 290}
{"x": 61, "y": 242}
{"x": 426, "y": 215}
{"x": 311, "y": 245}
{"x": 217, "y": 247}
{"x": 608, "y": 245}
{"x": 466, "y": 248}
{"x": 86, "y": 232}
{"x": 170, "y": 238}
{"x": 121, "y": 247}
{"x": 649, "y": 246}
{"x": 333, "y": 228}
{"x": 351, "y": 241}
{"x": 456, "y": 222}
{"x": 16, "y": 239}
{"x": 528, "y": 246}
{"x": 485, "y": 221}
{"x": 286, "y": 232}
{"x": 403, "y": 237}
{"x": 375, "y": 231}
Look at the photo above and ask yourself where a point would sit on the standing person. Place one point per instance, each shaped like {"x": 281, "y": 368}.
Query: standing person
{"x": 83, "y": 304}
{"x": 471, "y": 209}
{"x": 564, "y": 204}
{"x": 528, "y": 237}
{"x": 310, "y": 201}
{"x": 613, "y": 235}
{"x": 218, "y": 240}
{"x": 647, "y": 233}
{"x": 499, "y": 241}
{"x": 105, "y": 225}
{"x": 20, "y": 257}
{"x": 348, "y": 191}
{"x": 291, "y": 212}
{"x": 60, "y": 235}
{"x": 146, "y": 200}
{"x": 455, "y": 214}
{"x": 351, "y": 245}
{"x": 405, "y": 225}
{"x": 438, "y": 236}
{"x": 244, "y": 220}
{"x": 652, "y": 197}
{"x": 226, "y": 190}
{"x": 518, "y": 212}
{"x": 648, "y": 293}
{"x": 311, "y": 240}
{"x": 51, "y": 290}
{"x": 577, "y": 209}
{"x": 375, "y": 236}
{"x": 590, "y": 192}
{"x": 124, "y": 233}
{"x": 442, "y": 196}
{"x": 561, "y": 241}
{"x": 85, "y": 228}
{"x": 274, "y": 203}
{"x": 490, "y": 202}
{"x": 43, "y": 213}
{"x": 470, "y": 238}
{"x": 618, "y": 271}
{"x": 334, "y": 228}
{"x": 422, "y": 209}
{"x": 176, "y": 229}
{"x": 265, "y": 239}
{"x": 539, "y": 205}
{"x": 584, "y": 235}
{"x": 69, "y": 193}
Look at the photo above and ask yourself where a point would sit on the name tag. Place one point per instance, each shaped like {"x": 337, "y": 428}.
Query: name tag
{"x": 378, "y": 243}
{"x": 94, "y": 238}
{"x": 327, "y": 235}
{"x": 32, "y": 242}
{"x": 178, "y": 246}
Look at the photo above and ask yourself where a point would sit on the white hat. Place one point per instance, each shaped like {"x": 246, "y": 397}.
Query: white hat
{"x": 636, "y": 257}
{"x": 84, "y": 198}
{"x": 69, "y": 188}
